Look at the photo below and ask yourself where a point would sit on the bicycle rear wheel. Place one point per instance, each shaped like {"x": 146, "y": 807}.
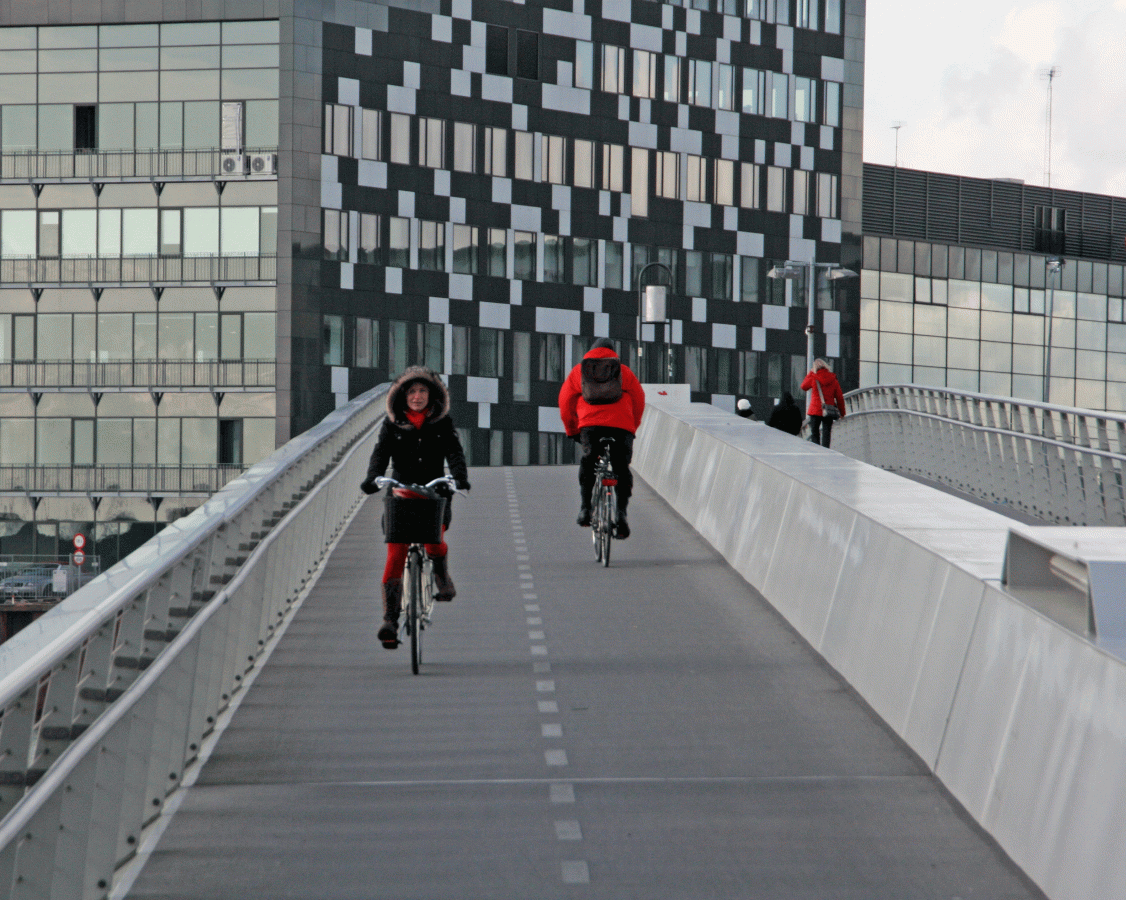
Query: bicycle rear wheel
{"x": 414, "y": 609}
{"x": 606, "y": 524}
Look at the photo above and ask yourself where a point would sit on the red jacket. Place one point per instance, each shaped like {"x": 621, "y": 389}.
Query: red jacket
{"x": 830, "y": 387}
{"x": 576, "y": 413}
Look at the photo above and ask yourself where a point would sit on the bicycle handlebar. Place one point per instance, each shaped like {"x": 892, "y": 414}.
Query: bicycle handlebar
{"x": 384, "y": 481}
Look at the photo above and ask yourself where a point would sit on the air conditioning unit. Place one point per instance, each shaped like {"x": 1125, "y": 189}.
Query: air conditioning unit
{"x": 232, "y": 164}
{"x": 263, "y": 164}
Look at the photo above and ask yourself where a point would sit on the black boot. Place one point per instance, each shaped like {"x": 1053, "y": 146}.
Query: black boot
{"x": 442, "y": 580}
{"x": 392, "y": 601}
{"x": 584, "y": 514}
{"x": 621, "y": 526}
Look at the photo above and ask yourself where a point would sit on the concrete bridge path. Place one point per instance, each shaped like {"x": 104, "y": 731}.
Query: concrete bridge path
{"x": 652, "y": 730}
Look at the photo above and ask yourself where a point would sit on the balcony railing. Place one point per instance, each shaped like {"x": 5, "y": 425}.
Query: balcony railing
{"x": 138, "y": 374}
{"x": 114, "y": 480}
{"x": 135, "y": 164}
{"x": 145, "y": 269}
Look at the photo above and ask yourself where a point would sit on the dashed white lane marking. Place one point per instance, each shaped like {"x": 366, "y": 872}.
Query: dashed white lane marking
{"x": 559, "y": 792}
{"x": 576, "y": 872}
{"x": 568, "y": 830}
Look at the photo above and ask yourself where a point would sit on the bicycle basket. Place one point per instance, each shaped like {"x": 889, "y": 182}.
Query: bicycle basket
{"x": 412, "y": 520}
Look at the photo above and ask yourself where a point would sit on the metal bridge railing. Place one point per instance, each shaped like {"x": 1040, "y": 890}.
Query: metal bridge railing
{"x": 1061, "y": 465}
{"x": 106, "y": 701}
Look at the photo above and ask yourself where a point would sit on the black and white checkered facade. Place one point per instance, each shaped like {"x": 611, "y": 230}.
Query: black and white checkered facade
{"x": 428, "y": 74}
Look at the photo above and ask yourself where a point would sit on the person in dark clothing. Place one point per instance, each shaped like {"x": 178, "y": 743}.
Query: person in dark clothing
{"x": 786, "y": 416}
{"x": 417, "y": 439}
{"x": 587, "y": 421}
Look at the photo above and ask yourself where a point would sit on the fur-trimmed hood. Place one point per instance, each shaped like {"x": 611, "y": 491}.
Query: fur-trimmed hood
{"x": 397, "y": 397}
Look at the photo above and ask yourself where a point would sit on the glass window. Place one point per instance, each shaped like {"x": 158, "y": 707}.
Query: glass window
{"x": 490, "y": 352}
{"x": 525, "y": 155}
{"x": 584, "y": 262}
{"x": 371, "y": 134}
{"x": 584, "y": 163}
{"x": 497, "y": 252}
{"x": 53, "y": 338}
{"x": 639, "y": 183}
{"x": 465, "y": 147}
{"x": 459, "y": 350}
{"x": 804, "y": 99}
{"x": 238, "y": 231}
{"x": 206, "y": 336}
{"x": 668, "y": 174}
{"x": 171, "y": 125}
{"x": 779, "y": 95}
{"x": 672, "y": 80}
{"x": 400, "y": 139}
{"x": 332, "y": 340}
{"x": 175, "y": 336}
{"x": 754, "y": 91}
{"x": 17, "y": 128}
{"x": 615, "y": 265}
{"x": 368, "y": 249}
{"x": 553, "y": 264}
{"x": 171, "y": 234}
{"x": 53, "y": 442}
{"x": 720, "y": 276}
{"x": 694, "y": 273}
{"x": 644, "y": 74}
{"x": 80, "y": 232}
{"x": 201, "y": 231}
{"x": 399, "y": 243}
{"x": 724, "y": 182}
{"x": 115, "y": 336}
{"x": 584, "y": 64}
{"x": 431, "y": 338}
{"x": 748, "y": 276}
{"x": 613, "y": 69}
{"x": 432, "y": 143}
{"x": 466, "y": 250}
{"x": 749, "y": 191}
{"x": 56, "y": 127}
{"x": 259, "y": 335}
{"x": 496, "y": 152}
{"x": 699, "y": 82}
{"x": 268, "y": 230}
{"x": 552, "y": 159}
{"x": 697, "y": 184}
{"x": 432, "y": 246}
{"x": 521, "y": 365}
{"x": 613, "y": 167}
{"x": 801, "y": 192}
{"x": 550, "y": 348}
{"x": 49, "y": 233}
{"x": 524, "y": 259}
{"x": 726, "y": 99}
{"x": 775, "y": 189}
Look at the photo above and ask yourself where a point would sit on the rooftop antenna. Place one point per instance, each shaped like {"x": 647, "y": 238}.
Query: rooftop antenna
{"x": 895, "y": 127}
{"x": 1050, "y": 74}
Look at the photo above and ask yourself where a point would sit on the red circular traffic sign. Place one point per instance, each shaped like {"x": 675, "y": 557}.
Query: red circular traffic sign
{"x": 79, "y": 541}
{"x": 79, "y": 557}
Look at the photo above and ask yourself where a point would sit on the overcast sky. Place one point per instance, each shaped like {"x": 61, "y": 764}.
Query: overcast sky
{"x": 967, "y": 80}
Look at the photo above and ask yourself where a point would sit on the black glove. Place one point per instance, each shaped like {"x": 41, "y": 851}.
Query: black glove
{"x": 463, "y": 485}
{"x": 444, "y": 490}
{"x": 368, "y": 487}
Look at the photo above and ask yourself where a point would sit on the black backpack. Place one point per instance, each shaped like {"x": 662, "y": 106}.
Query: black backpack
{"x": 602, "y": 379}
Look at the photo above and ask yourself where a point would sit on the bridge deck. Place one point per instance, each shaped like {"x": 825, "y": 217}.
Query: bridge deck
{"x": 649, "y": 730}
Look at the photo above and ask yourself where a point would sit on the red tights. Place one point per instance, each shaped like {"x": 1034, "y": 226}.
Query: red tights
{"x": 397, "y": 557}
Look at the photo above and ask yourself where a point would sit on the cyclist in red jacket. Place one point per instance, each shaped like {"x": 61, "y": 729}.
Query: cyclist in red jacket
{"x": 602, "y": 398}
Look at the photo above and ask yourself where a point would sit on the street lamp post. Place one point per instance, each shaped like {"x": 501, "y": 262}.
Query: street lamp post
{"x": 792, "y": 270}
{"x": 1054, "y": 267}
{"x": 641, "y": 308}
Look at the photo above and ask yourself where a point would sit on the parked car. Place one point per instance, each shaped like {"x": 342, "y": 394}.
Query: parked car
{"x": 30, "y": 584}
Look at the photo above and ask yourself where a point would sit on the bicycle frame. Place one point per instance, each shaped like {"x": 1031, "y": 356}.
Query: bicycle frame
{"x": 604, "y": 505}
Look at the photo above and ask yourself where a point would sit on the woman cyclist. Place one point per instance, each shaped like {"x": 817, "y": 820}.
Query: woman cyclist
{"x": 417, "y": 438}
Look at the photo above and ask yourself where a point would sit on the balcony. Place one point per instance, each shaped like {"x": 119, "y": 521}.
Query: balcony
{"x": 116, "y": 481}
{"x": 131, "y": 375}
{"x": 150, "y": 270}
{"x": 138, "y": 165}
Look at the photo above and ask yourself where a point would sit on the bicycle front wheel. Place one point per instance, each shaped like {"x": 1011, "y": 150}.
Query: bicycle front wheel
{"x": 415, "y": 609}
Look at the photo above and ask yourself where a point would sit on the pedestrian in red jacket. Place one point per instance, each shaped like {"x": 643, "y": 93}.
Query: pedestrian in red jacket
{"x": 820, "y": 425}
{"x": 602, "y": 398}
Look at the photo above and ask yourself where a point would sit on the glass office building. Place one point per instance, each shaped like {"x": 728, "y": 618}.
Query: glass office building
{"x": 994, "y": 287}
{"x": 215, "y": 230}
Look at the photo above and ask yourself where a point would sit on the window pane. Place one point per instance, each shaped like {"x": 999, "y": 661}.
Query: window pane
{"x": 465, "y": 147}
{"x": 398, "y": 243}
{"x": 80, "y": 231}
{"x": 524, "y": 261}
{"x": 258, "y": 336}
{"x": 465, "y": 249}
{"x": 584, "y": 163}
{"x": 639, "y": 187}
{"x": 201, "y": 231}
{"x": 332, "y": 340}
{"x": 584, "y": 64}
{"x": 527, "y": 54}
{"x": 615, "y": 264}
{"x": 238, "y": 230}
{"x": 138, "y": 232}
{"x": 498, "y": 252}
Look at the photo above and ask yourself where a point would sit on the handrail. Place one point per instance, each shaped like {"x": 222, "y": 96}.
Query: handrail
{"x": 113, "y": 690}
{"x": 138, "y": 374}
{"x": 1059, "y": 464}
{"x": 126, "y": 165}
{"x": 172, "y": 270}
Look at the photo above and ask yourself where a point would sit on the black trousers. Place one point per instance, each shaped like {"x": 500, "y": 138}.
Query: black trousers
{"x": 621, "y": 453}
{"x": 820, "y": 430}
